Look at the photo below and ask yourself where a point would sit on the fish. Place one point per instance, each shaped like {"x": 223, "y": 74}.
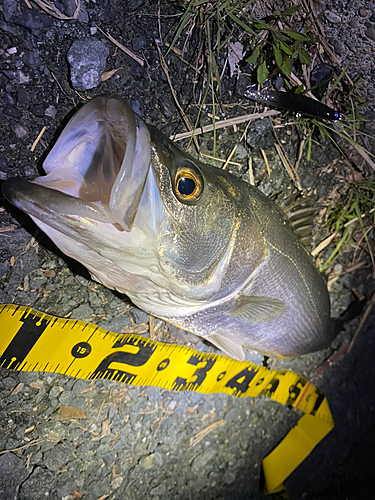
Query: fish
{"x": 293, "y": 102}
{"x": 186, "y": 241}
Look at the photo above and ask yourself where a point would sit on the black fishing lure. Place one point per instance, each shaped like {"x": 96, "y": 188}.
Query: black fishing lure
{"x": 293, "y": 102}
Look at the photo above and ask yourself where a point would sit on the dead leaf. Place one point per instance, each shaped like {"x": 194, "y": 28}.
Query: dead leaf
{"x": 17, "y": 389}
{"x": 49, "y": 273}
{"x": 107, "y": 74}
{"x": 67, "y": 411}
{"x": 5, "y": 229}
{"x": 235, "y": 55}
{"x": 106, "y": 428}
{"x": 77, "y": 494}
{"x": 136, "y": 328}
{"x": 38, "y": 384}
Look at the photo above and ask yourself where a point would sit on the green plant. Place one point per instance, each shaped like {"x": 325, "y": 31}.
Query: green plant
{"x": 354, "y": 220}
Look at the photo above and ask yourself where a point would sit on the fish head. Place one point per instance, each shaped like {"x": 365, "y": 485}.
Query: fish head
{"x": 144, "y": 218}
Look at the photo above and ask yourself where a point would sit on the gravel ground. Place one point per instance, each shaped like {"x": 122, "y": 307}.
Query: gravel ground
{"x": 62, "y": 438}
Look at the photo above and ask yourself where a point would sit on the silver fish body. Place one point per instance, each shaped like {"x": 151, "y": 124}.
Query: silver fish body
{"x": 187, "y": 242}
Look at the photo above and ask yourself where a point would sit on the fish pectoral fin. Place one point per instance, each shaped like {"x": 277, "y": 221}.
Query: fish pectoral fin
{"x": 256, "y": 310}
{"x": 228, "y": 345}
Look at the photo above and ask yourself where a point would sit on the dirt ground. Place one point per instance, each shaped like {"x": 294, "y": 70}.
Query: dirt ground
{"x": 62, "y": 438}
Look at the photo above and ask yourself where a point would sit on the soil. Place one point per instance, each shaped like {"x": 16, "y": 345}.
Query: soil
{"x": 62, "y": 438}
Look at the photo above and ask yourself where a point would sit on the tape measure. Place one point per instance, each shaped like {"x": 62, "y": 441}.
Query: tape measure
{"x": 37, "y": 342}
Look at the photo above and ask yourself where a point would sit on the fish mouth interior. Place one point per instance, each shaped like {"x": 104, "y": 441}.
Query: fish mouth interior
{"x": 101, "y": 159}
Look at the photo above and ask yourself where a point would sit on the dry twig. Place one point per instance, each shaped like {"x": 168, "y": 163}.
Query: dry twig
{"x": 225, "y": 123}
{"x": 122, "y": 47}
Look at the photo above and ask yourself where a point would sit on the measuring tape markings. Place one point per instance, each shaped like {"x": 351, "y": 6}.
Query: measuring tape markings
{"x": 33, "y": 341}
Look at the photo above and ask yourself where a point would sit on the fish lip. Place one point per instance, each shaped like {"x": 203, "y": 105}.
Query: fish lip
{"x": 45, "y": 203}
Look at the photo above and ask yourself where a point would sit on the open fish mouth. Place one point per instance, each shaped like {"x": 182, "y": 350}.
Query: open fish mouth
{"x": 97, "y": 170}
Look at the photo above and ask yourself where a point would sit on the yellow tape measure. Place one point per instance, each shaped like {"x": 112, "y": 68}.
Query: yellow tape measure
{"x": 33, "y": 341}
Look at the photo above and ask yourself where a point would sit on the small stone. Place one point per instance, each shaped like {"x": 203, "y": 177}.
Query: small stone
{"x": 20, "y": 131}
{"x": 12, "y": 111}
{"x": 33, "y": 21}
{"x": 12, "y": 50}
{"x": 82, "y": 312}
{"x": 339, "y": 47}
{"x": 202, "y": 460}
{"x": 9, "y": 8}
{"x": 87, "y": 59}
{"x": 117, "y": 482}
{"x": 362, "y": 12}
{"x": 137, "y": 107}
{"x": 93, "y": 30}
{"x": 372, "y": 18}
{"x": 31, "y": 58}
{"x": 151, "y": 460}
{"x": 241, "y": 153}
{"x": 370, "y": 32}
{"x": 332, "y": 17}
{"x": 353, "y": 23}
{"x": 166, "y": 106}
{"x": 17, "y": 76}
{"x": 50, "y": 111}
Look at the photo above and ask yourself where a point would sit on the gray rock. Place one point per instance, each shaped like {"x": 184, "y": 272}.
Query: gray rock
{"x": 33, "y": 21}
{"x": 152, "y": 460}
{"x": 87, "y": 59}
{"x": 203, "y": 459}
{"x": 31, "y": 58}
{"x": 58, "y": 456}
{"x": 24, "y": 265}
{"x": 370, "y": 32}
{"x": 82, "y": 312}
{"x": 12, "y": 474}
{"x": 50, "y": 111}
{"x": 9, "y": 9}
{"x": 18, "y": 76}
{"x": 12, "y": 111}
{"x": 70, "y": 8}
{"x": 332, "y": 17}
{"x": 339, "y": 47}
{"x": 40, "y": 484}
{"x": 166, "y": 106}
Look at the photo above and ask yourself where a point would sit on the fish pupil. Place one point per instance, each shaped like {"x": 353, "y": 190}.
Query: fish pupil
{"x": 186, "y": 186}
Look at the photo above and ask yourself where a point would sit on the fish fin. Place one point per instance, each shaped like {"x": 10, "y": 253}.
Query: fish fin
{"x": 301, "y": 213}
{"x": 256, "y": 310}
{"x": 229, "y": 345}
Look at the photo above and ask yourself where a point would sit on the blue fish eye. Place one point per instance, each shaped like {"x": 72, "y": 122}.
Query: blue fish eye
{"x": 186, "y": 186}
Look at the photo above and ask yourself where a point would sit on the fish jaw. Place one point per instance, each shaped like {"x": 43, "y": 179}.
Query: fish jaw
{"x": 103, "y": 157}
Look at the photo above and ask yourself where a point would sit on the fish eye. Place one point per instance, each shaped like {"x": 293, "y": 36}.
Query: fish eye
{"x": 188, "y": 184}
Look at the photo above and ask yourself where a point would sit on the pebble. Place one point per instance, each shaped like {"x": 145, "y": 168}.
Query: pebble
{"x": 18, "y": 76}
{"x": 332, "y": 17}
{"x": 339, "y": 47}
{"x": 50, "y": 111}
{"x": 353, "y": 23}
{"x": 12, "y": 111}
{"x": 87, "y": 60}
{"x": 32, "y": 20}
{"x": 20, "y": 131}
{"x": 12, "y": 50}
{"x": 150, "y": 461}
{"x": 370, "y": 33}
{"x": 362, "y": 12}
